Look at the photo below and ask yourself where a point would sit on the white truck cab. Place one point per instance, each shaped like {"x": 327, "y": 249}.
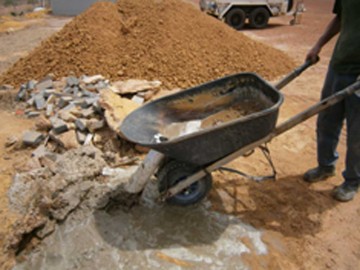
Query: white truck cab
{"x": 235, "y": 13}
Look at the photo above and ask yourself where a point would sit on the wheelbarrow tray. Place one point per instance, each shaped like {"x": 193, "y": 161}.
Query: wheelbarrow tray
{"x": 147, "y": 125}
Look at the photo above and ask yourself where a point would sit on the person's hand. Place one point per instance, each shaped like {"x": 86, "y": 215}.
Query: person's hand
{"x": 313, "y": 54}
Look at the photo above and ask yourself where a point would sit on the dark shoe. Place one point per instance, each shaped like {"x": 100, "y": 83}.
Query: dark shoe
{"x": 319, "y": 173}
{"x": 345, "y": 192}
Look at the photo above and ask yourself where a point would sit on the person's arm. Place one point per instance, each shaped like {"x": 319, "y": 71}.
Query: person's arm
{"x": 331, "y": 30}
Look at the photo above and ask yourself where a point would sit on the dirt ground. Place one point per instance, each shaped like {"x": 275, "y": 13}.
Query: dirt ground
{"x": 304, "y": 226}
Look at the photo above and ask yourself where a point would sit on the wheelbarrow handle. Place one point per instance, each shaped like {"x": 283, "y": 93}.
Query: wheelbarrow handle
{"x": 295, "y": 73}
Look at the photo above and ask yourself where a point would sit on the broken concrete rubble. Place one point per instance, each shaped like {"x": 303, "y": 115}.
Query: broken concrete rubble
{"x": 32, "y": 138}
{"x": 75, "y": 181}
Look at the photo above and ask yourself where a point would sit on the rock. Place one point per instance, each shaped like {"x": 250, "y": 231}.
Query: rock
{"x": 39, "y": 101}
{"x": 116, "y": 108}
{"x": 92, "y": 79}
{"x": 39, "y": 152}
{"x": 51, "y": 99}
{"x": 10, "y": 141}
{"x": 66, "y": 116}
{"x": 64, "y": 101}
{"x": 137, "y": 99}
{"x": 68, "y": 140}
{"x": 44, "y": 84}
{"x": 49, "y": 110}
{"x": 112, "y": 172}
{"x": 22, "y": 94}
{"x": 88, "y": 139}
{"x": 43, "y": 124}
{"x": 81, "y": 124}
{"x": 48, "y": 229}
{"x": 88, "y": 112}
{"x": 89, "y": 102}
{"x": 94, "y": 125}
{"x": 30, "y": 85}
{"x": 81, "y": 137}
{"x": 58, "y": 125}
{"x": 134, "y": 86}
{"x": 32, "y": 114}
{"x": 72, "y": 81}
{"x": 49, "y": 92}
{"x": 32, "y": 138}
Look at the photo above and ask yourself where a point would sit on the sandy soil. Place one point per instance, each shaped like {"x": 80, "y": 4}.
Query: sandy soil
{"x": 304, "y": 226}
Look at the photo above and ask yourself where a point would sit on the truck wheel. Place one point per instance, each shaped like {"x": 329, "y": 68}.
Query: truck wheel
{"x": 174, "y": 172}
{"x": 259, "y": 18}
{"x": 236, "y": 18}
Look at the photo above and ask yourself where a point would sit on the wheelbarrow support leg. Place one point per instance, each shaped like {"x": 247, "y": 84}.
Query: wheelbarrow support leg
{"x": 146, "y": 169}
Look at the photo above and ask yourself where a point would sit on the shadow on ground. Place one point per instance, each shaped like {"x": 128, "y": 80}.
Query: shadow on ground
{"x": 286, "y": 205}
{"x": 161, "y": 227}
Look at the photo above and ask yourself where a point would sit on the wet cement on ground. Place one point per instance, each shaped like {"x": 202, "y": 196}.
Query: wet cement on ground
{"x": 157, "y": 237}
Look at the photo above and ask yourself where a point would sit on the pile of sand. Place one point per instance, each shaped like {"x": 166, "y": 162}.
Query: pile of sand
{"x": 170, "y": 41}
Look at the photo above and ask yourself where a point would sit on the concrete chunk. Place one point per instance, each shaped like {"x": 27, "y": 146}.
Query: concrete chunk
{"x": 32, "y": 138}
{"x": 68, "y": 140}
{"x": 40, "y": 102}
{"x": 49, "y": 110}
{"x": 22, "y": 93}
{"x": 32, "y": 114}
{"x": 67, "y": 116}
{"x": 137, "y": 99}
{"x": 81, "y": 124}
{"x": 72, "y": 81}
{"x": 89, "y": 102}
{"x": 30, "y": 85}
{"x": 92, "y": 79}
{"x": 88, "y": 139}
{"x": 94, "y": 125}
{"x": 49, "y": 92}
{"x": 88, "y": 112}
{"x": 81, "y": 137}
{"x": 51, "y": 99}
{"x": 44, "y": 84}
{"x": 59, "y": 126}
{"x": 64, "y": 101}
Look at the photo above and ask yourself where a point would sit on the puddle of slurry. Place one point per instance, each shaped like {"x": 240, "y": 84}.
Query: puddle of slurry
{"x": 161, "y": 237}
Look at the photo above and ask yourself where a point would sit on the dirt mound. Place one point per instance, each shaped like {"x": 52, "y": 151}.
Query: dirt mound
{"x": 169, "y": 41}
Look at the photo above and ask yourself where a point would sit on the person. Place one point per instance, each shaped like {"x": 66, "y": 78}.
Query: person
{"x": 343, "y": 70}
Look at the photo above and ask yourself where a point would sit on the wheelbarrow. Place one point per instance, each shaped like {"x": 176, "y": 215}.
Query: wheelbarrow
{"x": 199, "y": 130}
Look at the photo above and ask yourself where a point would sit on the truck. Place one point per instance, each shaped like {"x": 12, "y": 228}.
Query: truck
{"x": 236, "y": 12}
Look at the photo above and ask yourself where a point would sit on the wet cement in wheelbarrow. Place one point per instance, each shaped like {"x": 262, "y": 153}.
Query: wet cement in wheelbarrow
{"x": 160, "y": 237}
{"x": 237, "y": 111}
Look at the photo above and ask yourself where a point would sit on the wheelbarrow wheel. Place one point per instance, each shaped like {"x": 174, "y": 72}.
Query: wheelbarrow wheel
{"x": 174, "y": 172}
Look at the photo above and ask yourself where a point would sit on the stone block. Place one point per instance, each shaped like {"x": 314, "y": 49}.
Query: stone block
{"x": 64, "y": 101}
{"x": 81, "y": 137}
{"x": 40, "y": 102}
{"x": 81, "y": 124}
{"x": 22, "y": 94}
{"x": 32, "y": 114}
{"x": 59, "y": 126}
{"x": 72, "y": 81}
{"x": 49, "y": 110}
{"x": 88, "y": 112}
{"x": 94, "y": 125}
{"x": 44, "y": 84}
{"x": 32, "y": 138}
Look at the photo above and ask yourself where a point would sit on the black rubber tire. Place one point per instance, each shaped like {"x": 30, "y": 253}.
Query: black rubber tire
{"x": 259, "y": 18}
{"x": 290, "y": 5}
{"x": 236, "y": 18}
{"x": 172, "y": 173}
